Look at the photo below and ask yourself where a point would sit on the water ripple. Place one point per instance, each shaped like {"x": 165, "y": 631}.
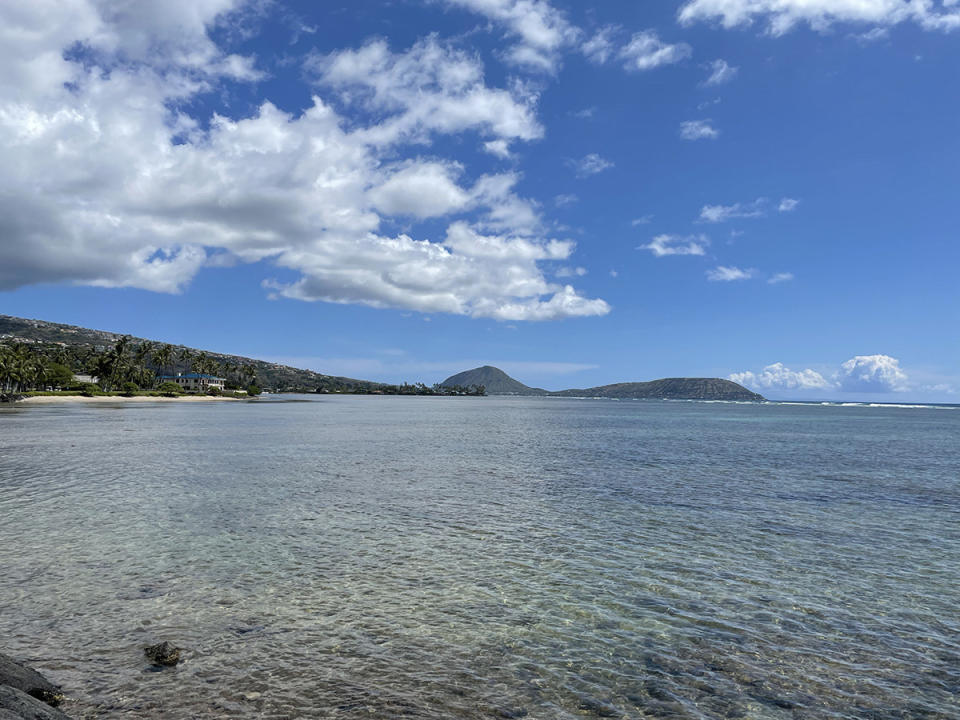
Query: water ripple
{"x": 494, "y": 558}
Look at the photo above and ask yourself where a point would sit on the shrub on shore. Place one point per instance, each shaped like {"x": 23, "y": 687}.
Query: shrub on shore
{"x": 169, "y": 389}
{"x": 88, "y": 389}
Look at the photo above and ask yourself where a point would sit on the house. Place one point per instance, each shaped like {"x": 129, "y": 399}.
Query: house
{"x": 195, "y": 382}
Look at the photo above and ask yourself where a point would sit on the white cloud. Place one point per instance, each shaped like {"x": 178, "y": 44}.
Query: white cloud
{"x": 782, "y": 16}
{"x": 420, "y": 189}
{"x": 644, "y": 220}
{"x": 698, "y": 130}
{"x": 787, "y": 205}
{"x": 564, "y": 200}
{"x": 646, "y": 51}
{"x": 944, "y": 388}
{"x": 541, "y": 30}
{"x": 722, "y": 213}
{"x": 780, "y": 278}
{"x": 500, "y": 148}
{"x": 724, "y": 273}
{"x": 663, "y": 245}
{"x": 721, "y": 72}
{"x": 873, "y": 35}
{"x": 591, "y": 164}
{"x": 780, "y": 377}
{"x": 601, "y": 47}
{"x": 863, "y": 374}
{"x": 566, "y": 272}
{"x": 105, "y": 182}
{"x": 871, "y": 374}
{"x": 430, "y": 89}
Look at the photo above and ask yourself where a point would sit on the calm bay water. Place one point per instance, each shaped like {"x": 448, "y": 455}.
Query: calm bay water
{"x": 371, "y": 557}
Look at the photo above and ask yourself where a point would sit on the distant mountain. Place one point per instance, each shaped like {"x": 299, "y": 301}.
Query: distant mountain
{"x": 670, "y": 389}
{"x": 495, "y": 380}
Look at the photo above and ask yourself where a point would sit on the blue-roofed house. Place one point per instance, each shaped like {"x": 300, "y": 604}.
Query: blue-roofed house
{"x": 195, "y": 382}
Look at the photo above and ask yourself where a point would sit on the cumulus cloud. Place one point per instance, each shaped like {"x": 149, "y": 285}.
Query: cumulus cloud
{"x": 541, "y": 30}
{"x": 781, "y": 16}
{"x": 663, "y": 245}
{"x": 500, "y": 148}
{"x": 420, "y": 189}
{"x": 104, "y": 181}
{"x": 698, "y": 130}
{"x": 724, "y": 273}
{"x": 646, "y": 51}
{"x": 863, "y": 374}
{"x": 871, "y": 374}
{"x": 432, "y": 88}
{"x": 720, "y": 72}
{"x": 780, "y": 377}
{"x": 591, "y": 164}
{"x": 722, "y": 213}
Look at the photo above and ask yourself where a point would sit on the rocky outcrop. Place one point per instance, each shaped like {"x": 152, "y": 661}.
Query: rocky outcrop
{"x": 17, "y": 705}
{"x": 25, "y": 694}
{"x": 27, "y": 680}
{"x": 163, "y": 654}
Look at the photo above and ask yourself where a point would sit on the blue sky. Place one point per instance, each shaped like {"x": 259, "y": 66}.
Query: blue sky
{"x": 759, "y": 190}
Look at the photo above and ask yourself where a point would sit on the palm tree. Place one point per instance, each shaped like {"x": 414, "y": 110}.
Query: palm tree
{"x": 162, "y": 358}
{"x": 185, "y": 356}
{"x": 140, "y": 355}
{"x": 200, "y": 363}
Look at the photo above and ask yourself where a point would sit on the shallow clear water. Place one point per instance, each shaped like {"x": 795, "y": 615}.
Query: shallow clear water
{"x": 494, "y": 557}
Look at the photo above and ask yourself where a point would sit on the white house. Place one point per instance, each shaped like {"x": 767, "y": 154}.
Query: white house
{"x": 195, "y": 382}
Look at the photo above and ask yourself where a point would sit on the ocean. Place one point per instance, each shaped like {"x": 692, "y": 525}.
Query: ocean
{"x": 433, "y": 557}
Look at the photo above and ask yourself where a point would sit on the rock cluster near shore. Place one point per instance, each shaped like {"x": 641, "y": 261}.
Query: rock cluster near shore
{"x": 25, "y": 694}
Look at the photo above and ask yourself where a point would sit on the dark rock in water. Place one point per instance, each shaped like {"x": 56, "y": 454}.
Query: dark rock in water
{"x": 29, "y": 681}
{"x": 17, "y": 705}
{"x": 163, "y": 654}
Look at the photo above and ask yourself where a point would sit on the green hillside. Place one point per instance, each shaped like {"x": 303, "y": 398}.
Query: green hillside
{"x": 670, "y": 389}
{"x": 497, "y": 382}
{"x": 494, "y": 380}
{"x": 77, "y": 347}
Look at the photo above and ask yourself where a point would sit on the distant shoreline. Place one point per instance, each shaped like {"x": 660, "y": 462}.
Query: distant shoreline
{"x": 57, "y": 399}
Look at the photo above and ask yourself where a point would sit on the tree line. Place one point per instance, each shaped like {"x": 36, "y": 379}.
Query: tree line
{"x": 124, "y": 366}
{"x": 128, "y": 366}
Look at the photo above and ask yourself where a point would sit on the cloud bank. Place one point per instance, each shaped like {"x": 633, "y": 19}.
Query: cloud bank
{"x": 781, "y": 16}
{"x": 864, "y": 374}
{"x": 106, "y": 182}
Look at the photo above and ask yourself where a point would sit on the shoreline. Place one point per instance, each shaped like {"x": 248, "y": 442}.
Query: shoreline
{"x": 56, "y": 399}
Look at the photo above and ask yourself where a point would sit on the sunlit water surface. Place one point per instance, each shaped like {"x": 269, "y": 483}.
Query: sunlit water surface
{"x": 355, "y": 557}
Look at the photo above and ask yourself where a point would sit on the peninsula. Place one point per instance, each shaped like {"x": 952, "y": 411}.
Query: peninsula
{"x": 497, "y": 382}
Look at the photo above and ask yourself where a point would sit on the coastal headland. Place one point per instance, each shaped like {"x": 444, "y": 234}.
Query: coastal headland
{"x": 42, "y": 356}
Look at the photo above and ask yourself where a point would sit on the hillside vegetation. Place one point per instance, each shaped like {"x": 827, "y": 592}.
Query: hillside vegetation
{"x": 497, "y": 382}
{"x": 34, "y": 346}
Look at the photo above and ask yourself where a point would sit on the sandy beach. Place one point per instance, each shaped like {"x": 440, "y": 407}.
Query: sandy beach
{"x": 60, "y": 399}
